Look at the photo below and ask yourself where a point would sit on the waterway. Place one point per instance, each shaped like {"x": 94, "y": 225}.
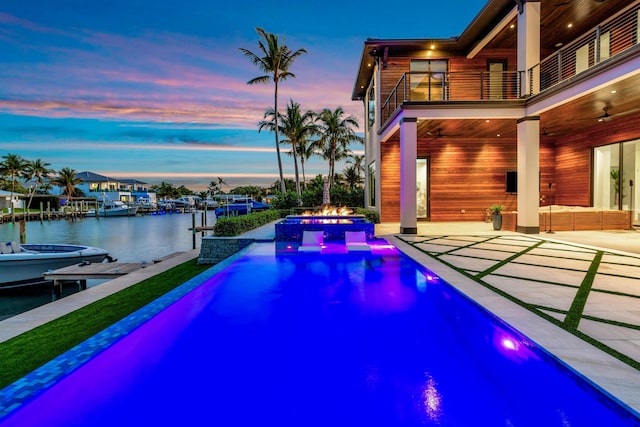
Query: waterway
{"x": 128, "y": 239}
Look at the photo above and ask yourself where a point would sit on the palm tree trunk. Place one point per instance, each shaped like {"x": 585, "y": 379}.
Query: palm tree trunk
{"x": 283, "y": 188}
{"x": 304, "y": 178}
{"x": 295, "y": 166}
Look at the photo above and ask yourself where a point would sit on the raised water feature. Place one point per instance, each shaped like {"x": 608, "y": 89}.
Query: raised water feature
{"x": 332, "y": 221}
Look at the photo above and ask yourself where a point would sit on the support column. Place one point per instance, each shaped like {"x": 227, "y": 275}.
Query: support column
{"x": 529, "y": 46}
{"x": 528, "y": 175}
{"x": 408, "y": 154}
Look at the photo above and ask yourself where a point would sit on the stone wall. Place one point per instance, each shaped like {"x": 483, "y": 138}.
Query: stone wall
{"x": 215, "y": 249}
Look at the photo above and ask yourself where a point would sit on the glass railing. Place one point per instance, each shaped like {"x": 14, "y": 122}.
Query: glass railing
{"x": 452, "y": 86}
{"x": 613, "y": 37}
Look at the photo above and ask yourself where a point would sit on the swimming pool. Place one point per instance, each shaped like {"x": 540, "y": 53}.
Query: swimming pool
{"x": 336, "y": 340}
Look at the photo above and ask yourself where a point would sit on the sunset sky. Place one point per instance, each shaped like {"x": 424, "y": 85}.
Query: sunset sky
{"x": 156, "y": 89}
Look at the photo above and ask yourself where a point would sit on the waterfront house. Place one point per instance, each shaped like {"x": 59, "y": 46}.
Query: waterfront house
{"x": 6, "y": 201}
{"x": 106, "y": 188}
{"x": 536, "y": 103}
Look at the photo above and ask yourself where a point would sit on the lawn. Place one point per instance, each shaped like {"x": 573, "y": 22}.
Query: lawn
{"x": 24, "y": 353}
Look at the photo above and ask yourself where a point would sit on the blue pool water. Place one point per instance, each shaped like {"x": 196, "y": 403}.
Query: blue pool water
{"x": 331, "y": 340}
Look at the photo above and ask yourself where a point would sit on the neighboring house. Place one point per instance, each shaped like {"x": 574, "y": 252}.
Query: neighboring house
{"x": 105, "y": 188}
{"x": 6, "y": 202}
{"x": 544, "y": 95}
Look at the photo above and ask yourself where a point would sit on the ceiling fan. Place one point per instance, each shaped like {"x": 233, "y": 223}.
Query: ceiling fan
{"x": 606, "y": 117}
{"x": 437, "y": 133}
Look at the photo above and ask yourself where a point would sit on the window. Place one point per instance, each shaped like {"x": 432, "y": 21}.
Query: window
{"x": 605, "y": 45}
{"x": 428, "y": 80}
{"x": 422, "y": 188}
{"x": 372, "y": 184}
{"x": 582, "y": 58}
{"x": 615, "y": 177}
{"x": 371, "y": 106}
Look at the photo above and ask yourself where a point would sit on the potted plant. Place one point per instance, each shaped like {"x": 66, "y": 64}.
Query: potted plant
{"x": 496, "y": 214}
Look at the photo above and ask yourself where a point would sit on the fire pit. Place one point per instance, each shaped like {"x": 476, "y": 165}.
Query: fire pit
{"x": 332, "y": 221}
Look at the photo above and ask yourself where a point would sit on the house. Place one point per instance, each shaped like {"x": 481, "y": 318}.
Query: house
{"x": 536, "y": 103}
{"x": 9, "y": 200}
{"x": 105, "y": 188}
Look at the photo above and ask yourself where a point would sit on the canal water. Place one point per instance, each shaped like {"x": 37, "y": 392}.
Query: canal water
{"x": 128, "y": 239}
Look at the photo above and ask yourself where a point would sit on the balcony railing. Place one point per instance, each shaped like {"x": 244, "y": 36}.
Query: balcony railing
{"x": 611, "y": 38}
{"x": 452, "y": 86}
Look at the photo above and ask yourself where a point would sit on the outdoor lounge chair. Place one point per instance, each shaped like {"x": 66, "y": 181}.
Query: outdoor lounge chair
{"x": 311, "y": 241}
{"x": 356, "y": 241}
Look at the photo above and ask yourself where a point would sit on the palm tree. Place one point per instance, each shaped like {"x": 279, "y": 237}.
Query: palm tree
{"x": 14, "y": 167}
{"x": 351, "y": 176}
{"x": 39, "y": 171}
{"x": 275, "y": 63}
{"x": 297, "y": 127}
{"x": 213, "y": 188}
{"x": 306, "y": 149}
{"x": 221, "y": 182}
{"x": 68, "y": 180}
{"x": 336, "y": 133}
{"x": 357, "y": 160}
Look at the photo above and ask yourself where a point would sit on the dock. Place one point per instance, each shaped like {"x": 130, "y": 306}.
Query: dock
{"x": 83, "y": 272}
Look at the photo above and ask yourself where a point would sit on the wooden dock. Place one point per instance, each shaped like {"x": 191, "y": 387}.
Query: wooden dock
{"x": 83, "y": 272}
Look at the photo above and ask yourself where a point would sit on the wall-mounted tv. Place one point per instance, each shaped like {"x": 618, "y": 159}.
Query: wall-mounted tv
{"x": 511, "y": 184}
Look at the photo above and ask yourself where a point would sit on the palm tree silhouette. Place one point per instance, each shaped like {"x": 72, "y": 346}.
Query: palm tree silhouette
{"x": 39, "y": 171}
{"x": 274, "y": 62}
{"x": 14, "y": 167}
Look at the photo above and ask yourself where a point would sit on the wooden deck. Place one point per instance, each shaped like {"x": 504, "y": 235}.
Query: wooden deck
{"x": 83, "y": 272}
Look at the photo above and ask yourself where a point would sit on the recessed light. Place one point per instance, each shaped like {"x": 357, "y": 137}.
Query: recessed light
{"x": 512, "y": 26}
{"x": 570, "y": 26}
{"x": 614, "y": 91}
{"x": 369, "y": 64}
{"x": 433, "y": 46}
{"x": 498, "y": 135}
{"x": 487, "y": 121}
{"x": 559, "y": 44}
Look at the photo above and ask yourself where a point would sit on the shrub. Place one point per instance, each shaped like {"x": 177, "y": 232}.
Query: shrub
{"x": 236, "y": 225}
{"x": 370, "y": 215}
{"x": 287, "y": 200}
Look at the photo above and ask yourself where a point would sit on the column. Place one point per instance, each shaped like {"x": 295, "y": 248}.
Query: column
{"x": 529, "y": 46}
{"x": 408, "y": 154}
{"x": 528, "y": 175}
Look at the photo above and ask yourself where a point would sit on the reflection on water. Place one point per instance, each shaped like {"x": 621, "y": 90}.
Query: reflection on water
{"x": 128, "y": 239}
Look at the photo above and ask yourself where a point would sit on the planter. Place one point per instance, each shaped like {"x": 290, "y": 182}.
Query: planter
{"x": 497, "y": 221}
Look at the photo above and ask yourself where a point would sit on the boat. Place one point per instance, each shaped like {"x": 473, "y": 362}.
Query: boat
{"x": 22, "y": 264}
{"x": 114, "y": 208}
{"x": 241, "y": 206}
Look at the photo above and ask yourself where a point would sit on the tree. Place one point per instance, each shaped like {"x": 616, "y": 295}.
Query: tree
{"x": 39, "y": 171}
{"x": 67, "y": 180}
{"x": 14, "y": 167}
{"x": 295, "y": 126}
{"x": 336, "y": 133}
{"x": 351, "y": 177}
{"x": 275, "y": 63}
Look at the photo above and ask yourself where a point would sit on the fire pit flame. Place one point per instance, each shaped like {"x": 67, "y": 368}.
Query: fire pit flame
{"x": 328, "y": 210}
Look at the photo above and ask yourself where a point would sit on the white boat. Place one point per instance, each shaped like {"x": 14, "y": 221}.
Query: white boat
{"x": 114, "y": 208}
{"x": 21, "y": 264}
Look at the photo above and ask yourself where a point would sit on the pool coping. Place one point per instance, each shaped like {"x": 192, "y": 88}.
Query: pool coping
{"x": 603, "y": 370}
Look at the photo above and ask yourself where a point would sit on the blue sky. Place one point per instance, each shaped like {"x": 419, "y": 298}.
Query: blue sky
{"x": 156, "y": 90}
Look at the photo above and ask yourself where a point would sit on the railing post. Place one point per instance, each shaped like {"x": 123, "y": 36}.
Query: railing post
{"x": 404, "y": 86}
{"x": 597, "y": 46}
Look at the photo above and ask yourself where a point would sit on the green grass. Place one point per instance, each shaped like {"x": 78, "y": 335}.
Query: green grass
{"x": 24, "y": 353}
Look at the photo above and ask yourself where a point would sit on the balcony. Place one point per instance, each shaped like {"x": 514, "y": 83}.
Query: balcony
{"x": 613, "y": 38}
{"x": 423, "y": 87}
{"x": 610, "y": 39}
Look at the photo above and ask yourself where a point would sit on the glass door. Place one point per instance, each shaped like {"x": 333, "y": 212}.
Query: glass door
{"x": 422, "y": 188}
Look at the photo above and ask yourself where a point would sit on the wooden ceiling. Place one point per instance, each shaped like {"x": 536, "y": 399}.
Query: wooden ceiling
{"x": 620, "y": 99}
{"x": 556, "y": 16}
